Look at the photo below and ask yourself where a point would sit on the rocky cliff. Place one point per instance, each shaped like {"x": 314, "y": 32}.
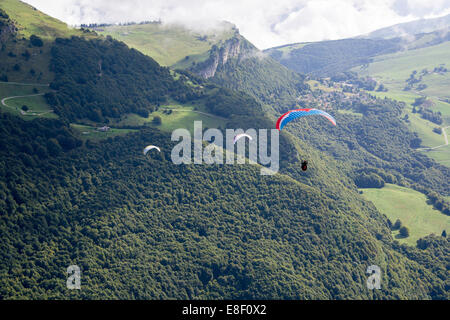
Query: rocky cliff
{"x": 7, "y": 27}
{"x": 219, "y": 55}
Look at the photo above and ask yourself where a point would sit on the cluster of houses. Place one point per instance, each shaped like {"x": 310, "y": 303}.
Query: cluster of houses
{"x": 328, "y": 100}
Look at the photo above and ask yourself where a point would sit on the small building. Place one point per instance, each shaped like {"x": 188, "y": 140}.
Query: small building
{"x": 103, "y": 129}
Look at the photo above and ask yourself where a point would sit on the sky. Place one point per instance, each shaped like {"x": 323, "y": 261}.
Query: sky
{"x": 266, "y": 23}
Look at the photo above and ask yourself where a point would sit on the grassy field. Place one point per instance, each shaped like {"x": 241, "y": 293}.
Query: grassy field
{"x": 423, "y": 127}
{"x": 411, "y": 208}
{"x": 430, "y": 139}
{"x": 168, "y": 44}
{"x": 288, "y": 48}
{"x": 32, "y": 21}
{"x": 393, "y": 69}
{"x": 316, "y": 85}
{"x": 441, "y": 155}
{"x": 37, "y": 106}
{"x": 181, "y": 117}
{"x": 425, "y": 130}
{"x": 406, "y": 96}
{"x": 8, "y": 89}
{"x": 34, "y": 69}
{"x": 91, "y": 133}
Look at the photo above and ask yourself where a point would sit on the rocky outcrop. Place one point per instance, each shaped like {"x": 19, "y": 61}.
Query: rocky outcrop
{"x": 218, "y": 57}
{"x": 7, "y": 27}
{"x": 209, "y": 67}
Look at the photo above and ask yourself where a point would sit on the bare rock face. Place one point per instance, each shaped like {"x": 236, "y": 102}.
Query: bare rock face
{"x": 209, "y": 70}
{"x": 219, "y": 57}
{"x": 230, "y": 50}
{"x": 7, "y": 27}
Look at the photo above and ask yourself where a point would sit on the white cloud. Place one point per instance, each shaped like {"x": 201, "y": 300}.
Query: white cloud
{"x": 265, "y": 23}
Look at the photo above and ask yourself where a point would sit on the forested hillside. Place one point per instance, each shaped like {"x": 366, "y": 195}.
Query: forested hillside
{"x": 220, "y": 54}
{"x": 248, "y": 69}
{"x": 327, "y": 58}
{"x": 378, "y": 141}
{"x": 110, "y": 81}
{"x": 145, "y": 228}
{"x": 333, "y": 57}
{"x": 169, "y": 44}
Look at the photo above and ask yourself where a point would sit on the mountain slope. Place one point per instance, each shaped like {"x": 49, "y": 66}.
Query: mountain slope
{"x": 394, "y": 70}
{"x": 221, "y": 55}
{"x": 410, "y": 75}
{"x": 143, "y": 228}
{"x": 239, "y": 65}
{"x": 107, "y": 84}
{"x": 167, "y": 44}
{"x": 410, "y": 28}
{"x": 330, "y": 57}
{"x": 28, "y": 20}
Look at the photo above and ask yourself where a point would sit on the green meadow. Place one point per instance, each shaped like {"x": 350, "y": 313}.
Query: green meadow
{"x": 37, "y": 107}
{"x": 31, "y": 69}
{"x": 393, "y": 69}
{"x": 411, "y": 208}
{"x": 32, "y": 21}
{"x": 169, "y": 44}
{"x": 91, "y": 133}
{"x": 179, "y": 117}
{"x": 36, "y": 104}
{"x": 424, "y": 128}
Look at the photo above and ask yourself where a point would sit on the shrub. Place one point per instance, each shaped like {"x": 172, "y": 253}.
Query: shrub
{"x": 36, "y": 41}
{"x": 437, "y": 130}
{"x": 371, "y": 180}
{"x": 404, "y": 232}
{"x": 157, "y": 120}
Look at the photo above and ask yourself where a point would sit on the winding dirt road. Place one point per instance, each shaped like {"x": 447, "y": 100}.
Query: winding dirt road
{"x": 442, "y": 145}
{"x": 3, "y": 101}
{"x": 13, "y": 97}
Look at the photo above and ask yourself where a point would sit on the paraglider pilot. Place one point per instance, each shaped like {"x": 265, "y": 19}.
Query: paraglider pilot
{"x": 304, "y": 165}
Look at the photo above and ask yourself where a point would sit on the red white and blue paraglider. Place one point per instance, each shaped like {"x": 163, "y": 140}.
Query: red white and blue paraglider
{"x": 297, "y": 113}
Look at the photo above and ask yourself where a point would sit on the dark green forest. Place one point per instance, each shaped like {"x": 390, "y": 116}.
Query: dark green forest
{"x": 110, "y": 80}
{"x": 143, "y": 227}
{"x": 327, "y": 58}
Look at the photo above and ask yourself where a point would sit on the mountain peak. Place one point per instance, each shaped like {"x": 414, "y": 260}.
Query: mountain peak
{"x": 410, "y": 28}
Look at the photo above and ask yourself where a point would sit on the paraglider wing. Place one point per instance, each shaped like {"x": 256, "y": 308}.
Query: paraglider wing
{"x": 148, "y": 148}
{"x": 241, "y": 135}
{"x": 297, "y": 113}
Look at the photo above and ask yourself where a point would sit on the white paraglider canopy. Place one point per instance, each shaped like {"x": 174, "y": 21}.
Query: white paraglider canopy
{"x": 241, "y": 135}
{"x": 150, "y": 147}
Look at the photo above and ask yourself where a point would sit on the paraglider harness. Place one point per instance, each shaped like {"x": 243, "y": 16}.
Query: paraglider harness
{"x": 304, "y": 165}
